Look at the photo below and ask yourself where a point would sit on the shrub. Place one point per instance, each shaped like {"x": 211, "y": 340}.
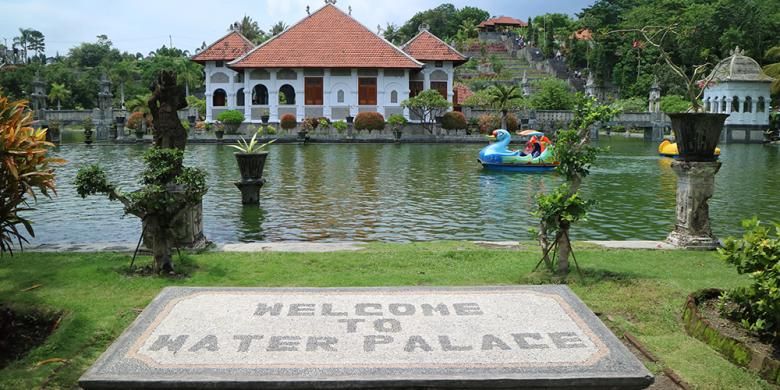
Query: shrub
{"x": 270, "y": 130}
{"x": 674, "y": 103}
{"x": 396, "y": 121}
{"x": 134, "y": 122}
{"x": 231, "y": 117}
{"x": 454, "y": 120}
{"x": 756, "y": 254}
{"x": 313, "y": 123}
{"x": 369, "y": 121}
{"x": 288, "y": 121}
{"x": 87, "y": 124}
{"x": 340, "y": 126}
{"x": 198, "y": 104}
{"x": 24, "y": 166}
{"x": 512, "y": 124}
{"x": 552, "y": 94}
{"x": 489, "y": 122}
{"x": 632, "y": 104}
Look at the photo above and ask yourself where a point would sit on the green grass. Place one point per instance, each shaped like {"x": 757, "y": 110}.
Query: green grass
{"x": 641, "y": 291}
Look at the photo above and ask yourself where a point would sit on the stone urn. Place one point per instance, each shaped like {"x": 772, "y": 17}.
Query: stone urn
{"x": 139, "y": 134}
{"x": 697, "y": 134}
{"x": 350, "y": 119}
{"x": 232, "y": 128}
{"x": 397, "y": 133}
{"x": 303, "y": 135}
{"x": 251, "y": 165}
{"x": 219, "y": 134}
{"x": 88, "y": 136}
{"x": 265, "y": 118}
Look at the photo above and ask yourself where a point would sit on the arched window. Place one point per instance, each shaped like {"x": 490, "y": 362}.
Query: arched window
{"x": 735, "y": 104}
{"x": 394, "y": 97}
{"x": 708, "y": 105}
{"x": 219, "y": 99}
{"x": 259, "y": 95}
{"x": 748, "y": 106}
{"x": 287, "y": 94}
{"x": 761, "y": 106}
{"x": 340, "y": 96}
{"x": 240, "y": 98}
{"x": 723, "y": 105}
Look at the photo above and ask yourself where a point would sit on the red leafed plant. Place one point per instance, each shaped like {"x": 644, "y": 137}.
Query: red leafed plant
{"x": 24, "y": 168}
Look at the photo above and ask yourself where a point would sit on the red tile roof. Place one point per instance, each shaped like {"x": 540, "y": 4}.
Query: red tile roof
{"x": 328, "y": 38}
{"x": 427, "y": 47}
{"x": 503, "y": 20}
{"x": 227, "y": 48}
{"x": 462, "y": 92}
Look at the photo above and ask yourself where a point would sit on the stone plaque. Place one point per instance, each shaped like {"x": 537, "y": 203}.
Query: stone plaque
{"x": 504, "y": 337}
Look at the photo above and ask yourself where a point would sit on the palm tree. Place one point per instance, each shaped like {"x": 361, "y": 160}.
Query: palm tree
{"x": 189, "y": 73}
{"x": 139, "y": 103}
{"x": 250, "y": 29}
{"x": 36, "y": 42}
{"x": 124, "y": 71}
{"x": 773, "y": 69}
{"x": 503, "y": 98}
{"x": 277, "y": 28}
{"x": 468, "y": 29}
{"x": 391, "y": 33}
{"x": 59, "y": 93}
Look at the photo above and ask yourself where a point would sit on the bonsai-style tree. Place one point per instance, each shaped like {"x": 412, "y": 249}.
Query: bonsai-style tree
{"x": 24, "y": 168}
{"x": 558, "y": 210}
{"x": 169, "y": 189}
{"x": 426, "y": 106}
{"x": 396, "y": 122}
{"x": 454, "y": 120}
{"x": 369, "y": 121}
{"x": 288, "y": 122}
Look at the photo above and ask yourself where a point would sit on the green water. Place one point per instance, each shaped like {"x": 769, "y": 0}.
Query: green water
{"x": 409, "y": 193}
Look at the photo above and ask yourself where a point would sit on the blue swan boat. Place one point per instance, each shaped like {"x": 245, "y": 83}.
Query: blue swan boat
{"x": 497, "y": 156}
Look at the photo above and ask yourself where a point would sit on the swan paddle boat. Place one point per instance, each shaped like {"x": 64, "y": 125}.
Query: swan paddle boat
{"x": 669, "y": 149}
{"x": 538, "y": 155}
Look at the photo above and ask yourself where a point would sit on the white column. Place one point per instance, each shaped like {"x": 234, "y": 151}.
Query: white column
{"x": 352, "y": 100}
{"x": 247, "y": 97}
{"x": 380, "y": 92}
{"x": 426, "y": 79}
{"x": 404, "y": 93}
{"x": 209, "y": 106}
{"x": 450, "y": 85}
{"x": 273, "y": 97}
{"x": 300, "y": 108}
{"x": 326, "y": 95}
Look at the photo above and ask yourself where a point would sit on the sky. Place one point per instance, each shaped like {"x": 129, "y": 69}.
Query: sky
{"x": 141, "y": 26}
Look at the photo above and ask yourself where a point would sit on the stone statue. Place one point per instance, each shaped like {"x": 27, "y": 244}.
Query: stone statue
{"x": 167, "y": 99}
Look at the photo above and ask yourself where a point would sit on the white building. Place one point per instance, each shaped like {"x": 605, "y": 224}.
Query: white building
{"x": 741, "y": 89}
{"x": 326, "y": 65}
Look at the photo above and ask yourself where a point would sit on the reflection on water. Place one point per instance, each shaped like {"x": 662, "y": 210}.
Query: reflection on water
{"x": 410, "y": 192}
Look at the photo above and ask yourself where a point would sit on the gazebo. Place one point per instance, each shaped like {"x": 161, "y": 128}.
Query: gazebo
{"x": 740, "y": 88}
{"x": 501, "y": 23}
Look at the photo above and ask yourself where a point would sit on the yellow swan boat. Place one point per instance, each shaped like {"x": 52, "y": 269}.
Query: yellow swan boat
{"x": 669, "y": 149}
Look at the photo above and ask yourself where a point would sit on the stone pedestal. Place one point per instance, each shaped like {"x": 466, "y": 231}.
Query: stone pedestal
{"x": 695, "y": 186}
{"x": 250, "y": 190}
{"x": 187, "y": 231}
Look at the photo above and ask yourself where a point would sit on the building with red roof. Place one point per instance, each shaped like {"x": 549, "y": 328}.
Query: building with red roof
{"x": 326, "y": 65}
{"x": 501, "y": 23}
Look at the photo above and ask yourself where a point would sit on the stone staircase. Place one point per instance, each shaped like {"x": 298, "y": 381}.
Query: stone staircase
{"x": 514, "y": 68}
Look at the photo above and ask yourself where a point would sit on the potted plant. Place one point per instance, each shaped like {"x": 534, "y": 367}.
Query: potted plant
{"x": 232, "y": 119}
{"x": 120, "y": 124}
{"x": 251, "y": 158}
{"x": 324, "y": 125}
{"x": 53, "y": 133}
{"x": 307, "y": 126}
{"x": 264, "y": 115}
{"x": 88, "y": 126}
{"x": 396, "y": 122}
{"x": 138, "y": 122}
{"x": 219, "y": 129}
{"x": 697, "y": 132}
{"x": 269, "y": 130}
{"x": 350, "y": 118}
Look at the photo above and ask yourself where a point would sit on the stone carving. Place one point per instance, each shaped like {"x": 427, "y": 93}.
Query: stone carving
{"x": 695, "y": 186}
{"x": 167, "y": 98}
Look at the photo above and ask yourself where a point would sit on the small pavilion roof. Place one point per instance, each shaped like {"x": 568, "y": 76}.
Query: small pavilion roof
{"x": 227, "y": 48}
{"x": 328, "y": 38}
{"x": 428, "y": 47}
{"x": 503, "y": 21}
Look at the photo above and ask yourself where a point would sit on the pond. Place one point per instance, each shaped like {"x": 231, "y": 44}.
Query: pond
{"x": 409, "y": 192}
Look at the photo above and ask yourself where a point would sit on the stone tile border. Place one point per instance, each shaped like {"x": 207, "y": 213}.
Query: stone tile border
{"x": 733, "y": 350}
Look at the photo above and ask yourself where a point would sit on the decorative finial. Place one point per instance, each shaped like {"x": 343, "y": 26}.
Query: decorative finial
{"x": 307, "y": 10}
{"x": 333, "y": 2}
{"x": 423, "y": 27}
{"x": 350, "y": 10}
{"x": 737, "y": 51}
{"x": 378, "y": 29}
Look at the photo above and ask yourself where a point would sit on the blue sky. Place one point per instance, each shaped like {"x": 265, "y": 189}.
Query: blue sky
{"x": 144, "y": 25}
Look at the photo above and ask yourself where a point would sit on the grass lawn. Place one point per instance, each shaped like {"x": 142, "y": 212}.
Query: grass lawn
{"x": 642, "y": 292}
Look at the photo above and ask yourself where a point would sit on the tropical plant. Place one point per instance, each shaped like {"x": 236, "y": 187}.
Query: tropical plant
{"x": 454, "y": 120}
{"x": 288, "y": 121}
{"x": 59, "y": 93}
{"x": 369, "y": 121}
{"x": 756, "y": 254}
{"x": 123, "y": 72}
{"x": 139, "y": 103}
{"x": 427, "y": 105}
{"x": 278, "y": 28}
{"x": 198, "y": 104}
{"x": 396, "y": 121}
{"x": 250, "y": 29}
{"x": 231, "y": 117}
{"x": 558, "y": 210}
{"x": 552, "y": 94}
{"x": 773, "y": 68}
{"x": 503, "y": 98}
{"x": 24, "y": 168}
{"x": 252, "y": 146}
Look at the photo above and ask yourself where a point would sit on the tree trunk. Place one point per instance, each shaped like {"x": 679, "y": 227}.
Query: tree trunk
{"x": 58, "y": 105}
{"x": 186, "y": 89}
{"x": 122, "y": 93}
{"x": 161, "y": 247}
{"x": 503, "y": 119}
{"x": 564, "y": 250}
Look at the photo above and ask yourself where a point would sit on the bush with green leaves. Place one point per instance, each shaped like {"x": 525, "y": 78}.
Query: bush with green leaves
{"x": 756, "y": 254}
{"x": 340, "y": 126}
{"x": 396, "y": 121}
{"x": 552, "y": 94}
{"x": 369, "y": 121}
{"x": 632, "y": 104}
{"x": 231, "y": 117}
{"x": 288, "y": 122}
{"x": 674, "y": 103}
{"x": 427, "y": 105}
{"x": 197, "y": 104}
{"x": 87, "y": 124}
{"x": 454, "y": 120}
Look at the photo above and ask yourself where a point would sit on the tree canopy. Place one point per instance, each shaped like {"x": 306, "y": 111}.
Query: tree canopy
{"x": 443, "y": 21}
